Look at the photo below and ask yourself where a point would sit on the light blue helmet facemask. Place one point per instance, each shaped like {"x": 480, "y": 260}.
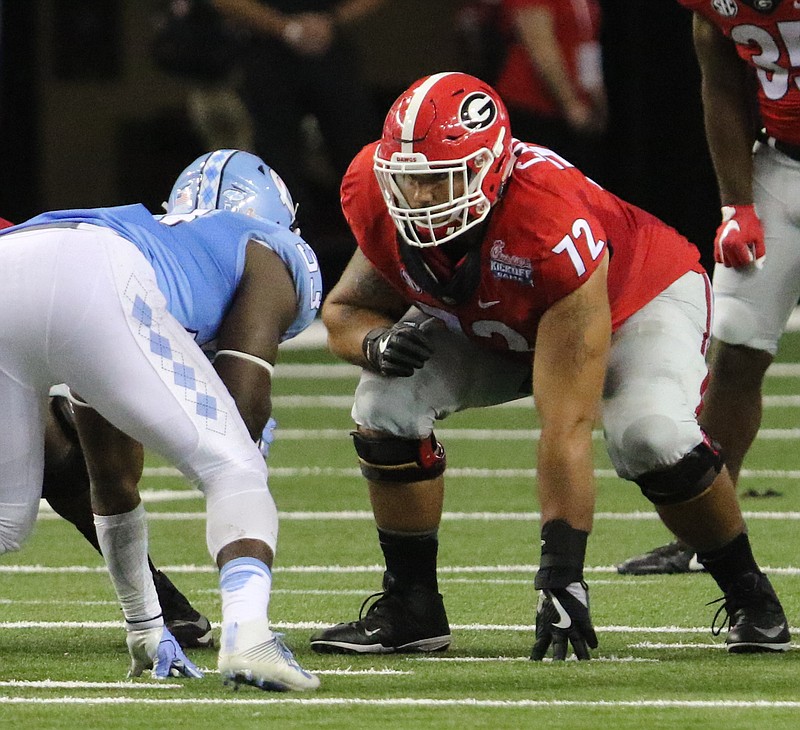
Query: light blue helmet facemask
{"x": 233, "y": 180}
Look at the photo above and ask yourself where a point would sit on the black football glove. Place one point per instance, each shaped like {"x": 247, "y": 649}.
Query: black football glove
{"x": 399, "y": 350}
{"x": 562, "y": 618}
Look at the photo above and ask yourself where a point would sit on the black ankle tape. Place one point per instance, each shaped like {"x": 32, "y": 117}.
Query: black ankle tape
{"x": 411, "y": 559}
{"x": 563, "y": 553}
{"x": 728, "y": 563}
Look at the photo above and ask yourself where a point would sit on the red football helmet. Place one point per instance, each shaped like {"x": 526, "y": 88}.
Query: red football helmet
{"x": 449, "y": 135}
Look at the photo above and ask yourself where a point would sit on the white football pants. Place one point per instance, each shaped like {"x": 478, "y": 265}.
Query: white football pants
{"x": 753, "y": 305}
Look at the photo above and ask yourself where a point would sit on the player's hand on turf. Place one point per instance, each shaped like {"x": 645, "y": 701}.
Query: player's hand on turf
{"x": 399, "y": 350}
{"x": 267, "y": 436}
{"x": 562, "y": 618}
{"x": 171, "y": 661}
{"x": 165, "y": 658}
{"x": 740, "y": 238}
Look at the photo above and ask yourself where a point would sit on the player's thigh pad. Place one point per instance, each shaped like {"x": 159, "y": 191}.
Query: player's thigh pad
{"x": 753, "y": 305}
{"x": 458, "y": 375}
{"x": 655, "y": 377}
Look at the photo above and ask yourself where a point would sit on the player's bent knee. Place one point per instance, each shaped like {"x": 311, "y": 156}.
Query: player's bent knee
{"x": 683, "y": 481}
{"x": 240, "y": 509}
{"x": 392, "y": 459}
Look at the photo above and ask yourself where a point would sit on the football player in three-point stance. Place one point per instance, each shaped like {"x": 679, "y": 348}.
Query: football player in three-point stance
{"x": 487, "y": 269}
{"x": 65, "y": 486}
{"x": 746, "y": 49}
{"x": 116, "y": 303}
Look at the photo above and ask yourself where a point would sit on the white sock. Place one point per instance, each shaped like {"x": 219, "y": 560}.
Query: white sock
{"x": 244, "y": 584}
{"x": 123, "y": 540}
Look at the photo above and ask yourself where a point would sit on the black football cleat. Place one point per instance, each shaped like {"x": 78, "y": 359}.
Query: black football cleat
{"x": 755, "y": 617}
{"x": 669, "y": 559}
{"x": 186, "y": 624}
{"x": 403, "y": 619}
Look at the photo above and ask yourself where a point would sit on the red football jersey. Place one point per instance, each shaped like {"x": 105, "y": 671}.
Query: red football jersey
{"x": 543, "y": 240}
{"x": 769, "y": 41}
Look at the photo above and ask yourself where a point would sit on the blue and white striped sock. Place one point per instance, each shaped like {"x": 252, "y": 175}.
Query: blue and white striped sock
{"x": 245, "y": 585}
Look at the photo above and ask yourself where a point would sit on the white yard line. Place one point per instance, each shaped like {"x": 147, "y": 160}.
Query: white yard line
{"x": 314, "y": 625}
{"x": 46, "y": 513}
{"x": 481, "y": 434}
{"x": 343, "y": 371}
{"x": 443, "y": 570}
{"x": 465, "y": 702}
{"x": 454, "y": 472}
{"x": 346, "y": 401}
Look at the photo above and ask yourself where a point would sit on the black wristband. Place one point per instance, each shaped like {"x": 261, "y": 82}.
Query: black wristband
{"x": 563, "y": 553}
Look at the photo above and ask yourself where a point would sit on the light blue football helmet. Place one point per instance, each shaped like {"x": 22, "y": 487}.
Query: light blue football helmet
{"x": 233, "y": 180}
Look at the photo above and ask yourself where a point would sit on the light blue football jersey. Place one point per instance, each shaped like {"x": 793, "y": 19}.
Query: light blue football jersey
{"x": 198, "y": 258}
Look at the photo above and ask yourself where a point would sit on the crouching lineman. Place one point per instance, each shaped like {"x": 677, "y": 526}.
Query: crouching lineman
{"x": 481, "y": 257}
{"x": 65, "y": 486}
{"x": 115, "y": 303}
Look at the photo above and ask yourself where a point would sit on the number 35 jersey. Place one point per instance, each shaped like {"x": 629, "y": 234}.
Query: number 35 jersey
{"x": 544, "y": 239}
{"x": 767, "y": 38}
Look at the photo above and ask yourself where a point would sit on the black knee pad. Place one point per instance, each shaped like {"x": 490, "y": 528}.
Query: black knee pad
{"x": 399, "y": 460}
{"x": 687, "y": 479}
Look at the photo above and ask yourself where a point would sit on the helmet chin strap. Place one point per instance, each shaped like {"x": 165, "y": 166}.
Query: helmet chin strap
{"x": 464, "y": 251}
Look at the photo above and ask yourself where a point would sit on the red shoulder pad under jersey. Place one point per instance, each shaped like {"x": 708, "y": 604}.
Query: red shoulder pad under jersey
{"x": 5, "y": 224}
{"x": 767, "y": 40}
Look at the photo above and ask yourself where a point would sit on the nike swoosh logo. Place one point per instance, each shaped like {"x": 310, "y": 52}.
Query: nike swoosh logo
{"x": 367, "y": 632}
{"x": 486, "y": 305}
{"x": 771, "y": 633}
{"x": 382, "y": 345}
{"x": 564, "y": 620}
{"x": 729, "y": 226}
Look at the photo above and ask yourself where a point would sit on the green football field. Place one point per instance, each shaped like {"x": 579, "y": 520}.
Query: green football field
{"x": 63, "y": 659}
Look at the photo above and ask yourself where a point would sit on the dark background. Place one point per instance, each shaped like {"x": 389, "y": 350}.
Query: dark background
{"x": 86, "y": 120}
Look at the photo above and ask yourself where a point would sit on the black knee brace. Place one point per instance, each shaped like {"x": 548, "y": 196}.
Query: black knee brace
{"x": 687, "y": 479}
{"x": 399, "y": 460}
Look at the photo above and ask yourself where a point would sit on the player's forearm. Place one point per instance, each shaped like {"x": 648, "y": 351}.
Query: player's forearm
{"x": 255, "y": 16}
{"x": 537, "y": 32}
{"x": 350, "y": 11}
{"x": 730, "y": 136}
{"x": 347, "y": 327}
{"x": 727, "y": 111}
{"x": 565, "y": 476}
